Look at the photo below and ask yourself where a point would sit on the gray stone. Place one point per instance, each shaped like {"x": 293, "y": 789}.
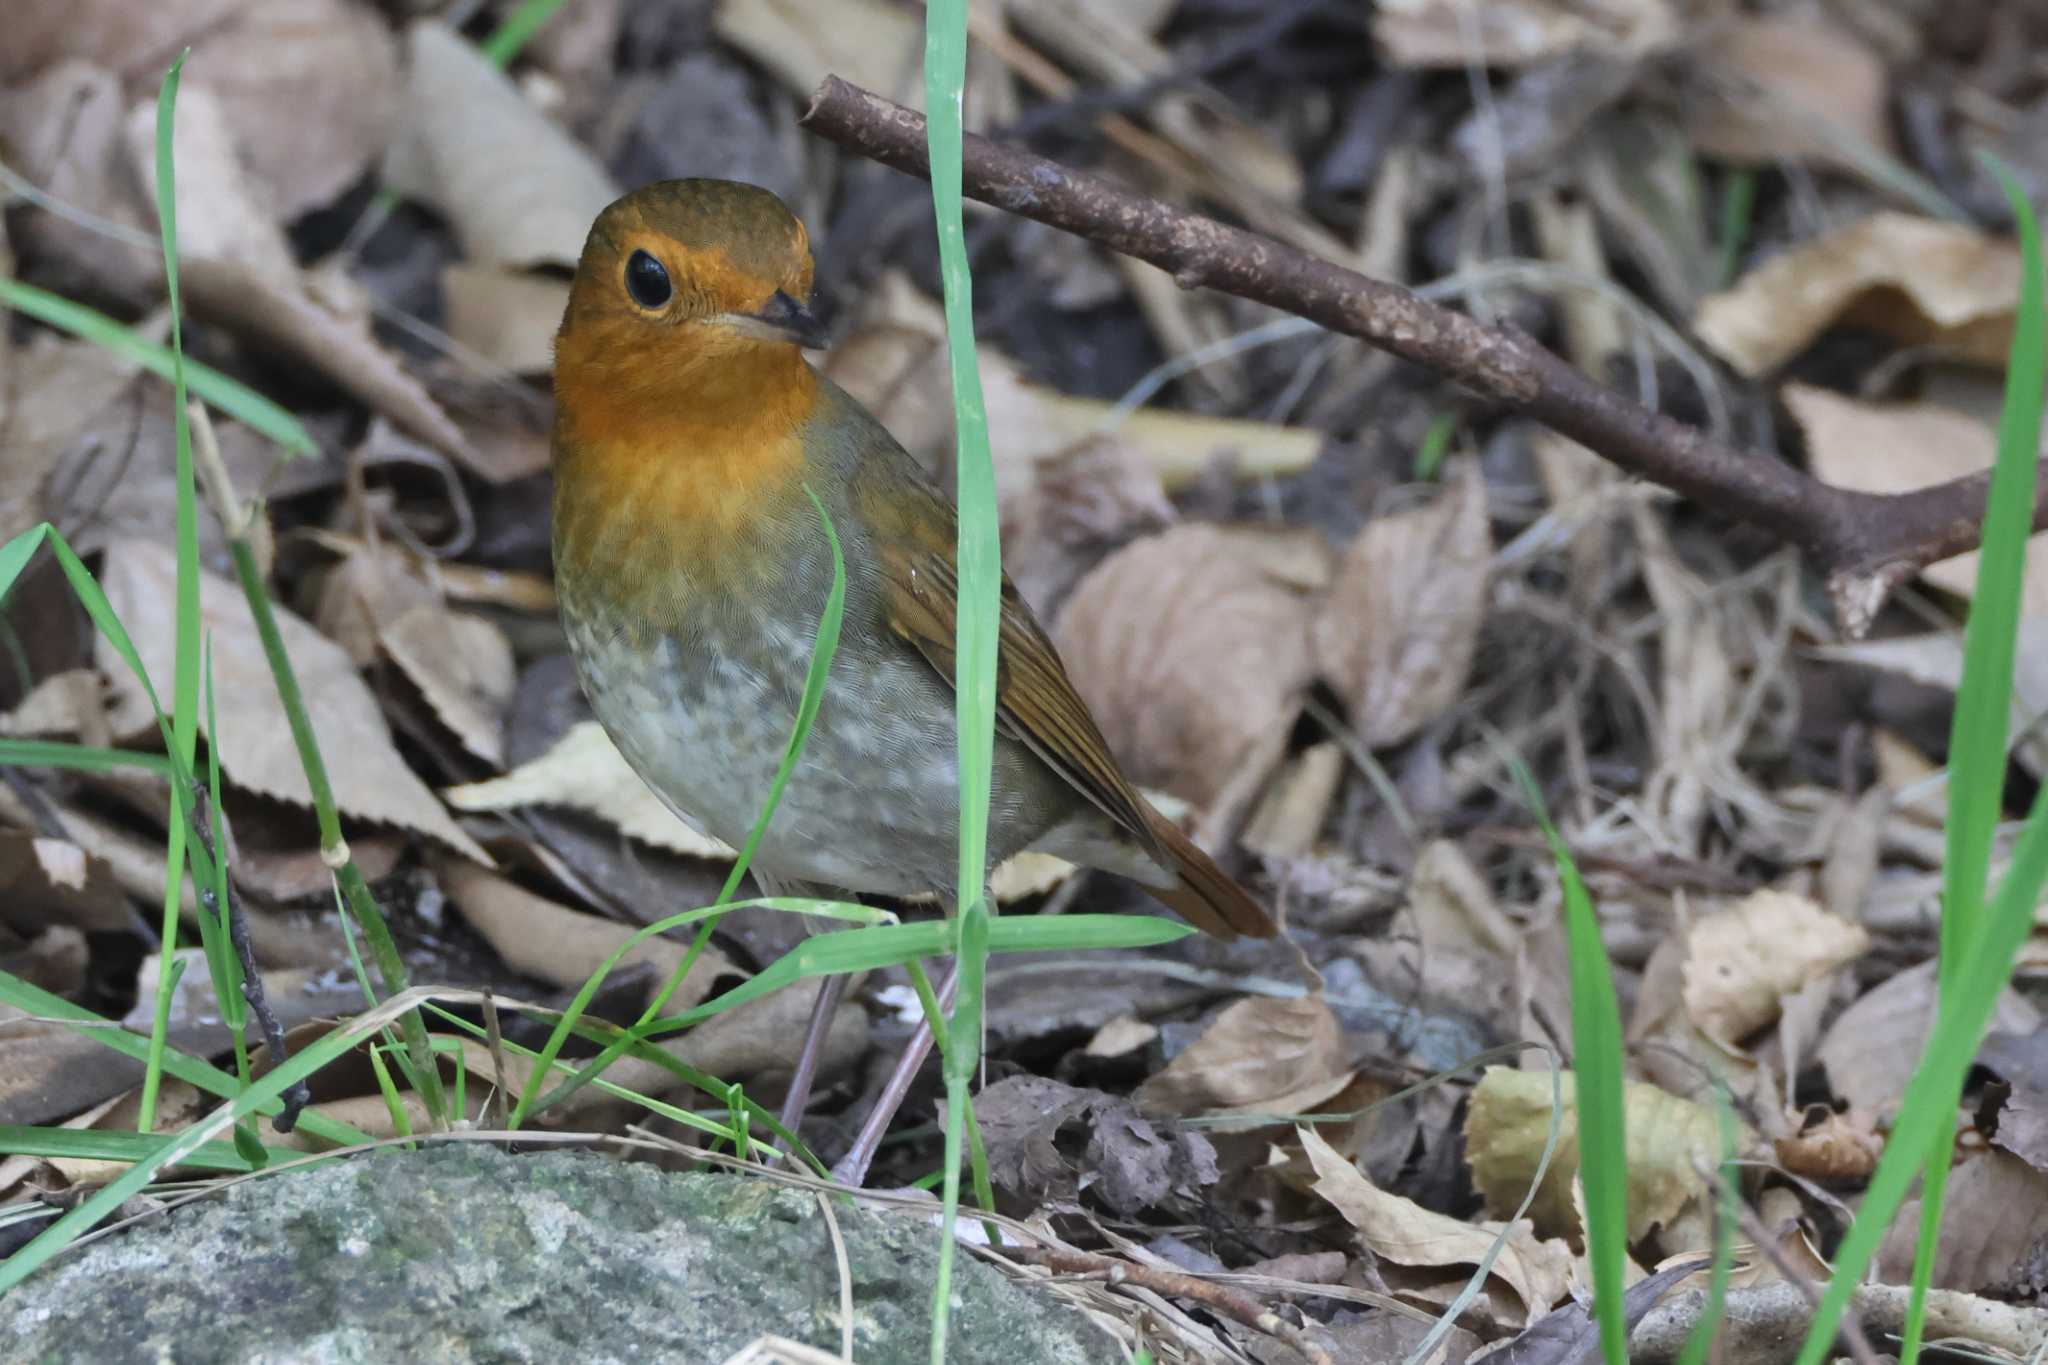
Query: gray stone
{"x": 462, "y": 1253}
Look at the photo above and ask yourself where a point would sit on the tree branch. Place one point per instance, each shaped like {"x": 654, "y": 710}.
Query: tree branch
{"x": 1865, "y": 543}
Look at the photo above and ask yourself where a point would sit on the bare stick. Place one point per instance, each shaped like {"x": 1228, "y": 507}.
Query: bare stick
{"x": 1866, "y": 543}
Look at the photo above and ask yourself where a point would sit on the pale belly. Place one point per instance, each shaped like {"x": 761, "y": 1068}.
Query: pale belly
{"x": 872, "y": 805}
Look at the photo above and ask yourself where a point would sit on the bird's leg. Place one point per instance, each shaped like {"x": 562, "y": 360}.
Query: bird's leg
{"x": 852, "y": 1169}
{"x": 830, "y": 993}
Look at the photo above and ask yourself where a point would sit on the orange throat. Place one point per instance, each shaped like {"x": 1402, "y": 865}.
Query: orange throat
{"x": 669, "y": 463}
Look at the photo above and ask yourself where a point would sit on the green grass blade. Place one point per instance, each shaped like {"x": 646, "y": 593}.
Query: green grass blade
{"x": 517, "y": 29}
{"x": 978, "y": 551}
{"x": 230, "y": 396}
{"x": 1983, "y": 708}
{"x": 83, "y": 758}
{"x": 1597, "y": 1063}
{"x": 72, "y": 1144}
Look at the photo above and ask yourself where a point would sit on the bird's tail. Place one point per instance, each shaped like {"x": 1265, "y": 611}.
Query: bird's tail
{"x": 1204, "y": 894}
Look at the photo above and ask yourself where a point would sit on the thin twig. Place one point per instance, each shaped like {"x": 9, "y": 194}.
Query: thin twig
{"x": 1851, "y": 1330}
{"x": 1865, "y": 543}
{"x": 1220, "y": 1299}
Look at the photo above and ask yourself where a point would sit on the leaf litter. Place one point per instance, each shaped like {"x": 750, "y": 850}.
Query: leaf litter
{"x": 1319, "y": 643}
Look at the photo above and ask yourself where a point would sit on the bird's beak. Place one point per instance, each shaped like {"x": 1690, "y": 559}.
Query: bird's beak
{"x": 782, "y": 318}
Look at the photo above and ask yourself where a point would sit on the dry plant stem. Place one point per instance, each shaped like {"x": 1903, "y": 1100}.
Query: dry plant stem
{"x": 852, "y": 1169}
{"x": 830, "y": 992}
{"x": 1220, "y": 1299}
{"x": 298, "y": 1096}
{"x": 1865, "y": 543}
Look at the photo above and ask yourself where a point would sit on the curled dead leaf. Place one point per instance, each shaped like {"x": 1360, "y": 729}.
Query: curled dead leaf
{"x": 1400, "y": 1230}
{"x": 1193, "y": 653}
{"x": 1049, "y": 1142}
{"x": 1397, "y": 633}
{"x": 1742, "y": 961}
{"x": 1918, "y": 281}
{"x": 1259, "y": 1051}
{"x": 1838, "y": 1148}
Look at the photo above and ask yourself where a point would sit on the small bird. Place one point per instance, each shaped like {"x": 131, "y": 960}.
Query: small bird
{"x": 692, "y": 567}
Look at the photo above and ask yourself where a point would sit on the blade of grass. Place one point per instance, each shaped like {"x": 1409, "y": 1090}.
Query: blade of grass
{"x": 185, "y": 595}
{"x": 84, "y": 758}
{"x": 978, "y": 552}
{"x": 231, "y": 396}
{"x": 1597, "y": 1064}
{"x": 517, "y": 29}
{"x": 73, "y": 1144}
{"x": 1983, "y": 706}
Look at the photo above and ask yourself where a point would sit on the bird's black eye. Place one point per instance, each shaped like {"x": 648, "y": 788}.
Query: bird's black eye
{"x": 647, "y": 280}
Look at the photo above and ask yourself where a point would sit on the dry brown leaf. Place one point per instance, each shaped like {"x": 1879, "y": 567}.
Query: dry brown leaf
{"x": 1898, "y": 447}
{"x": 869, "y": 42}
{"x": 370, "y": 780}
{"x": 1397, "y": 633}
{"x": 374, "y": 585}
{"x": 119, "y": 33}
{"x": 1918, "y": 281}
{"x": 1839, "y": 1148}
{"x": 1403, "y": 1232}
{"x": 1048, "y": 1141}
{"x": 1670, "y": 1141}
{"x": 1289, "y": 817}
{"x": 507, "y": 317}
{"x": 518, "y": 190}
{"x": 1458, "y": 33}
{"x": 763, "y": 1036}
{"x": 47, "y": 883}
{"x": 1193, "y": 655}
{"x": 1872, "y": 1047}
{"x": 1065, "y": 511}
{"x": 55, "y": 395}
{"x": 552, "y": 943}
{"x": 1992, "y": 1218}
{"x": 1740, "y": 962}
{"x": 1257, "y": 1051}
{"x": 68, "y": 704}
{"x": 1790, "y": 88}
{"x": 223, "y": 213}
{"x": 463, "y": 665}
{"x": 63, "y": 132}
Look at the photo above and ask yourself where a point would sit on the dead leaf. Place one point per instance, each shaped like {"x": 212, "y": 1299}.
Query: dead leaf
{"x": 762, "y": 1037}
{"x": 1898, "y": 447}
{"x": 1048, "y": 1142}
{"x": 463, "y": 665}
{"x": 1183, "y": 447}
{"x": 1791, "y": 88}
{"x": 584, "y": 771}
{"x": 1740, "y": 962}
{"x": 223, "y": 214}
{"x": 1290, "y": 816}
{"x": 869, "y": 42}
{"x": 70, "y": 704}
{"x": 1259, "y": 1050}
{"x": 1872, "y": 1047}
{"x": 507, "y": 317}
{"x": 53, "y": 882}
{"x": 1670, "y": 1141}
{"x": 518, "y": 190}
{"x": 370, "y": 780}
{"x": 1920, "y": 282}
{"x": 112, "y": 31}
{"x": 1397, "y": 633}
{"x": 1193, "y": 655}
{"x": 1838, "y": 1148}
{"x": 1401, "y": 1231}
{"x": 1065, "y": 511}
{"x": 552, "y": 943}
{"x": 1121, "y": 1036}
{"x": 2023, "y": 1124}
{"x": 1457, "y": 33}
{"x": 63, "y": 132}
{"x": 1992, "y": 1220}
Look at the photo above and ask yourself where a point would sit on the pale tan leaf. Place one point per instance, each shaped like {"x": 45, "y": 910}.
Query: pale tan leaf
{"x": 869, "y": 42}
{"x": 1397, "y": 634}
{"x": 507, "y": 317}
{"x": 1259, "y": 1049}
{"x": 463, "y": 665}
{"x": 1918, "y": 281}
{"x": 1289, "y": 817}
{"x": 370, "y": 780}
{"x": 1898, "y": 447}
{"x": 1193, "y": 654}
{"x": 223, "y": 213}
{"x": 65, "y": 133}
{"x": 1401, "y": 1231}
{"x": 518, "y": 190}
{"x": 1740, "y": 962}
{"x": 1791, "y": 88}
{"x": 53, "y": 882}
{"x": 552, "y": 943}
{"x": 1670, "y": 1141}
{"x": 585, "y": 771}
{"x": 1459, "y": 33}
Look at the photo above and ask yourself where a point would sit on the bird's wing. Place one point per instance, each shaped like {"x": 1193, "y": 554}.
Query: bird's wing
{"x": 914, "y": 549}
